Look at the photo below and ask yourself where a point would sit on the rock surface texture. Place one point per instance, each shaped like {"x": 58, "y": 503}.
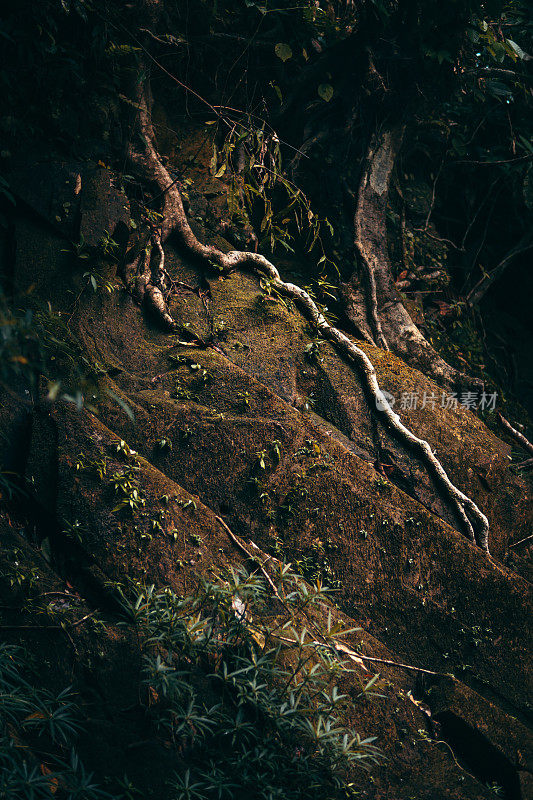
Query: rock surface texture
{"x": 244, "y": 419}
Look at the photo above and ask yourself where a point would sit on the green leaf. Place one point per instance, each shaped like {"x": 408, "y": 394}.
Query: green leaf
{"x": 283, "y": 51}
{"x": 522, "y": 55}
{"x": 497, "y": 50}
{"x": 46, "y": 550}
{"x": 4, "y": 191}
{"x": 525, "y": 143}
{"x": 498, "y": 89}
{"x": 53, "y": 390}
{"x": 214, "y": 160}
{"x": 371, "y": 682}
{"x": 325, "y": 91}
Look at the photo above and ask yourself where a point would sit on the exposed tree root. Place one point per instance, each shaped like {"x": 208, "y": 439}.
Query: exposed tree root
{"x": 148, "y": 164}
{"x": 151, "y": 282}
{"x": 356, "y": 310}
{"x": 516, "y": 435}
{"x": 392, "y": 327}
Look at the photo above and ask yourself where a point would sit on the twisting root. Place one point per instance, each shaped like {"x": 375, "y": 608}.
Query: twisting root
{"x": 373, "y": 311}
{"x": 516, "y": 435}
{"x": 175, "y": 221}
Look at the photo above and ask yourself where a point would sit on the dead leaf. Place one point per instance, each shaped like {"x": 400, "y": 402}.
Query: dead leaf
{"x": 350, "y": 653}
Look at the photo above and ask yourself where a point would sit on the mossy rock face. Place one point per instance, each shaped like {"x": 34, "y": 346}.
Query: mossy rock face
{"x": 165, "y": 529}
{"x": 396, "y": 562}
{"x": 410, "y": 575}
{"x": 244, "y": 415}
{"x": 381, "y": 573}
{"x": 81, "y": 200}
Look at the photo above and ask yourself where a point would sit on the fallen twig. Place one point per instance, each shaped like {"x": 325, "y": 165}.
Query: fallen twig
{"x": 61, "y": 627}
{"x": 240, "y": 544}
{"x": 525, "y": 539}
{"x": 336, "y": 646}
{"x": 357, "y": 656}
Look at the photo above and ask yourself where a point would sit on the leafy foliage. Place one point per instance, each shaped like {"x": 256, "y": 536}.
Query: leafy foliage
{"x": 251, "y": 157}
{"x": 244, "y": 692}
{"x": 29, "y": 711}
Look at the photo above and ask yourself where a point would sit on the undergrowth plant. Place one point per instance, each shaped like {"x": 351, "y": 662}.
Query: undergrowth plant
{"x": 250, "y": 157}
{"x": 244, "y": 691}
{"x": 34, "y": 721}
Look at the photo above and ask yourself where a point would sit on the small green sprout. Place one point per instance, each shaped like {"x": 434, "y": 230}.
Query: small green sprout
{"x": 261, "y": 455}
{"x": 243, "y": 399}
{"x": 276, "y": 449}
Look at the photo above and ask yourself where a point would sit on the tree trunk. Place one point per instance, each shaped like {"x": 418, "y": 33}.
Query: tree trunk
{"x": 392, "y": 327}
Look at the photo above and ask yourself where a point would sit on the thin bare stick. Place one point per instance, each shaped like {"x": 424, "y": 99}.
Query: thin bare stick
{"x": 240, "y": 544}
{"x": 354, "y": 655}
{"x": 516, "y": 544}
{"x": 337, "y": 646}
{"x": 81, "y": 621}
{"x": 400, "y": 665}
{"x": 528, "y": 157}
{"x": 47, "y": 627}
{"x": 476, "y": 294}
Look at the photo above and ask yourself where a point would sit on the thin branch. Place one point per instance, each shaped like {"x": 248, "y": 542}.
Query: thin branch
{"x": 47, "y": 627}
{"x": 484, "y": 235}
{"x": 400, "y": 665}
{"x": 80, "y": 621}
{"x": 476, "y": 294}
{"x": 527, "y": 157}
{"x": 355, "y": 655}
{"x": 433, "y": 193}
{"x": 472, "y": 221}
{"x": 187, "y": 88}
{"x": 338, "y": 647}
{"x": 441, "y": 741}
{"x": 240, "y": 544}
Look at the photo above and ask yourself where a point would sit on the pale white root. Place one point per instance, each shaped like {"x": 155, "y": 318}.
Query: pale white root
{"x": 175, "y": 222}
